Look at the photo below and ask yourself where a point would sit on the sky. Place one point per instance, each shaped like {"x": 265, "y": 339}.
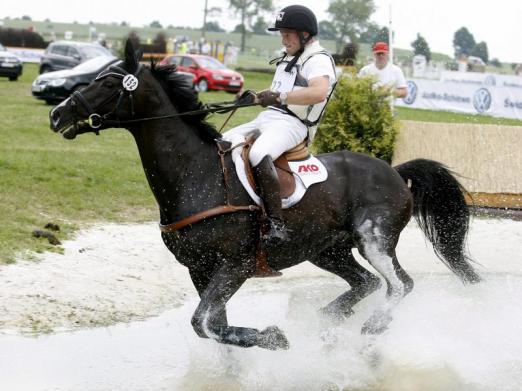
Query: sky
{"x": 498, "y": 23}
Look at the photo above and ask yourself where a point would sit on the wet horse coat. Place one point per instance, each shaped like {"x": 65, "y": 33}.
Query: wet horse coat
{"x": 363, "y": 204}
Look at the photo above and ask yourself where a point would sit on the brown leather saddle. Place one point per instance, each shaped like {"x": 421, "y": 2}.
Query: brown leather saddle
{"x": 286, "y": 177}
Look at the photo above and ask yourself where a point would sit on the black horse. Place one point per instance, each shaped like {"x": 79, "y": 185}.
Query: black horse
{"x": 364, "y": 204}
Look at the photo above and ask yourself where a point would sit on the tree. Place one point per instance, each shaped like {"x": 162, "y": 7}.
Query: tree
{"x": 383, "y": 35}
{"x": 238, "y": 28}
{"x": 246, "y": 10}
{"x": 481, "y": 50}
{"x": 327, "y": 30}
{"x": 124, "y": 24}
{"x": 210, "y": 12}
{"x": 213, "y": 26}
{"x": 26, "y": 17}
{"x": 260, "y": 26}
{"x": 370, "y": 34}
{"x": 463, "y": 42}
{"x": 350, "y": 18}
{"x": 420, "y": 46}
{"x": 496, "y": 63}
{"x": 156, "y": 24}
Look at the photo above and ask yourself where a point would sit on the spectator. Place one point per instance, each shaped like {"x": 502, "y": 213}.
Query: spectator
{"x": 388, "y": 74}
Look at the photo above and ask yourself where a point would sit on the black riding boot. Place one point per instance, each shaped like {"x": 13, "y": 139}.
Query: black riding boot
{"x": 266, "y": 177}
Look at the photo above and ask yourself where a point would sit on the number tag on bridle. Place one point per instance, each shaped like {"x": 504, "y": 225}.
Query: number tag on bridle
{"x": 130, "y": 82}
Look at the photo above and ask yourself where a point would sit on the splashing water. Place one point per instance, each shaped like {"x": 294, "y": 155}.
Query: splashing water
{"x": 444, "y": 336}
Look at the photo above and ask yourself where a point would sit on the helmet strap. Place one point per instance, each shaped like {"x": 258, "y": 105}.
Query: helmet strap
{"x": 303, "y": 41}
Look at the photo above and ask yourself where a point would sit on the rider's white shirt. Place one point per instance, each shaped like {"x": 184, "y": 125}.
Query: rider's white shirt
{"x": 279, "y": 131}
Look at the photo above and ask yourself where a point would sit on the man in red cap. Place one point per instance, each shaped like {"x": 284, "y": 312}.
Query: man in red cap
{"x": 387, "y": 74}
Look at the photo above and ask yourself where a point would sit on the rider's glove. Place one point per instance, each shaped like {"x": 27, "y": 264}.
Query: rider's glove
{"x": 268, "y": 98}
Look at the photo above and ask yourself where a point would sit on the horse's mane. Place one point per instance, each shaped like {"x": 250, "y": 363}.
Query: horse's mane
{"x": 184, "y": 99}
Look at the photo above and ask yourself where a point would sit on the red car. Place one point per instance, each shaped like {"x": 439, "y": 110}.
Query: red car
{"x": 209, "y": 73}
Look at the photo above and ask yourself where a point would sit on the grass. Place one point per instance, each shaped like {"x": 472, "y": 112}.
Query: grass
{"x": 45, "y": 178}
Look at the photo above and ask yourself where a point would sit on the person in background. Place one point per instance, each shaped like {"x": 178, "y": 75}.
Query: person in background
{"x": 388, "y": 74}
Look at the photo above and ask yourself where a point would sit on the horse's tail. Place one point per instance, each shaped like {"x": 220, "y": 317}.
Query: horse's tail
{"x": 441, "y": 212}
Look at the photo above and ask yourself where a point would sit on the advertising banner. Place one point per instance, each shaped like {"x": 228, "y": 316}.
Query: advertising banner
{"x": 469, "y": 95}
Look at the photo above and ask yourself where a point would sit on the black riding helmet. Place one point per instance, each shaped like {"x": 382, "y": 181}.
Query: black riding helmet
{"x": 296, "y": 17}
{"x": 299, "y": 18}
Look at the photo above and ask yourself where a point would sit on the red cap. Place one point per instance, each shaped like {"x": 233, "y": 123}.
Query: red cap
{"x": 380, "y": 47}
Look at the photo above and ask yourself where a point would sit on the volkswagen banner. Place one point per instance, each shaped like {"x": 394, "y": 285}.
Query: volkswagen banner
{"x": 472, "y": 98}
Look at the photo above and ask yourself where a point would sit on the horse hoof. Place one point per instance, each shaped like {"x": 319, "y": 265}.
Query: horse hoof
{"x": 377, "y": 324}
{"x": 272, "y": 338}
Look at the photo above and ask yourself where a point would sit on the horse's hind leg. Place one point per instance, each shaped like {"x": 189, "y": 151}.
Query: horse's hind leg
{"x": 341, "y": 262}
{"x": 377, "y": 241}
{"x": 208, "y": 320}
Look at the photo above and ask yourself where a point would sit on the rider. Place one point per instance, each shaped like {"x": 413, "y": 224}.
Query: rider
{"x": 301, "y": 87}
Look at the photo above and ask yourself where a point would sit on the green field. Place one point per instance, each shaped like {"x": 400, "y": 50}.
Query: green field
{"x": 45, "y": 178}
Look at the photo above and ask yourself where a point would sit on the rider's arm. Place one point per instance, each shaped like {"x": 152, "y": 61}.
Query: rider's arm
{"x": 316, "y": 92}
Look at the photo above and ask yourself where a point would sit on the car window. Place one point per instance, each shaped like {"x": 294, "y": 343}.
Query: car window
{"x": 175, "y": 60}
{"x": 187, "y": 62}
{"x": 2, "y": 49}
{"x": 94, "y": 64}
{"x": 210, "y": 63}
{"x": 94, "y": 51}
{"x": 72, "y": 52}
{"x": 58, "y": 49}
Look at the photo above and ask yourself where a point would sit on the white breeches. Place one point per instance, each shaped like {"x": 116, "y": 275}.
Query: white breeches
{"x": 279, "y": 132}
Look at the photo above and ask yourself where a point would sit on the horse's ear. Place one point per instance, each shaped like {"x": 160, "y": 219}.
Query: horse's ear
{"x": 130, "y": 56}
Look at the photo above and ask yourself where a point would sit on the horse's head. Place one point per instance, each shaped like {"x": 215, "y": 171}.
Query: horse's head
{"x": 110, "y": 98}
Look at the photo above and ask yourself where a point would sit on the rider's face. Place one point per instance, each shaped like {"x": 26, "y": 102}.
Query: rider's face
{"x": 290, "y": 40}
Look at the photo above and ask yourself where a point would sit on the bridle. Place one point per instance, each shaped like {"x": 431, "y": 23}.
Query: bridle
{"x": 129, "y": 83}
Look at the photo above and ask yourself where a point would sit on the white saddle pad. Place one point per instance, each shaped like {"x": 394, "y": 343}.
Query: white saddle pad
{"x": 306, "y": 173}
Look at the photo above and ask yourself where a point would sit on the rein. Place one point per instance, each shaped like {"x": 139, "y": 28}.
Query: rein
{"x": 129, "y": 84}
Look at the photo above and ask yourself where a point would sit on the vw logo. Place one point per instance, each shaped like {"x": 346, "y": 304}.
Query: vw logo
{"x": 412, "y": 93}
{"x": 482, "y": 100}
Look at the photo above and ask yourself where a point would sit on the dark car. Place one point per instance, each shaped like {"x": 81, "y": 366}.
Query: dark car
{"x": 68, "y": 54}
{"x": 54, "y": 87}
{"x": 209, "y": 73}
{"x": 10, "y": 65}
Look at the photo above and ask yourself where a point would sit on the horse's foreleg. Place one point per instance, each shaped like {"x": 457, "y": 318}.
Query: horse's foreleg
{"x": 208, "y": 321}
{"x": 341, "y": 262}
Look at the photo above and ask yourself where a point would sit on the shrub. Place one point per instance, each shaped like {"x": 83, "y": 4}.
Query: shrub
{"x": 358, "y": 118}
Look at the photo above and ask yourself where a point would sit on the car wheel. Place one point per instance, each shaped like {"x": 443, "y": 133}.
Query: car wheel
{"x": 202, "y": 85}
{"x": 13, "y": 78}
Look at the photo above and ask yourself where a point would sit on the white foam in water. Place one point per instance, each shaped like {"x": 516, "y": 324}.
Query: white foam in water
{"x": 444, "y": 336}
